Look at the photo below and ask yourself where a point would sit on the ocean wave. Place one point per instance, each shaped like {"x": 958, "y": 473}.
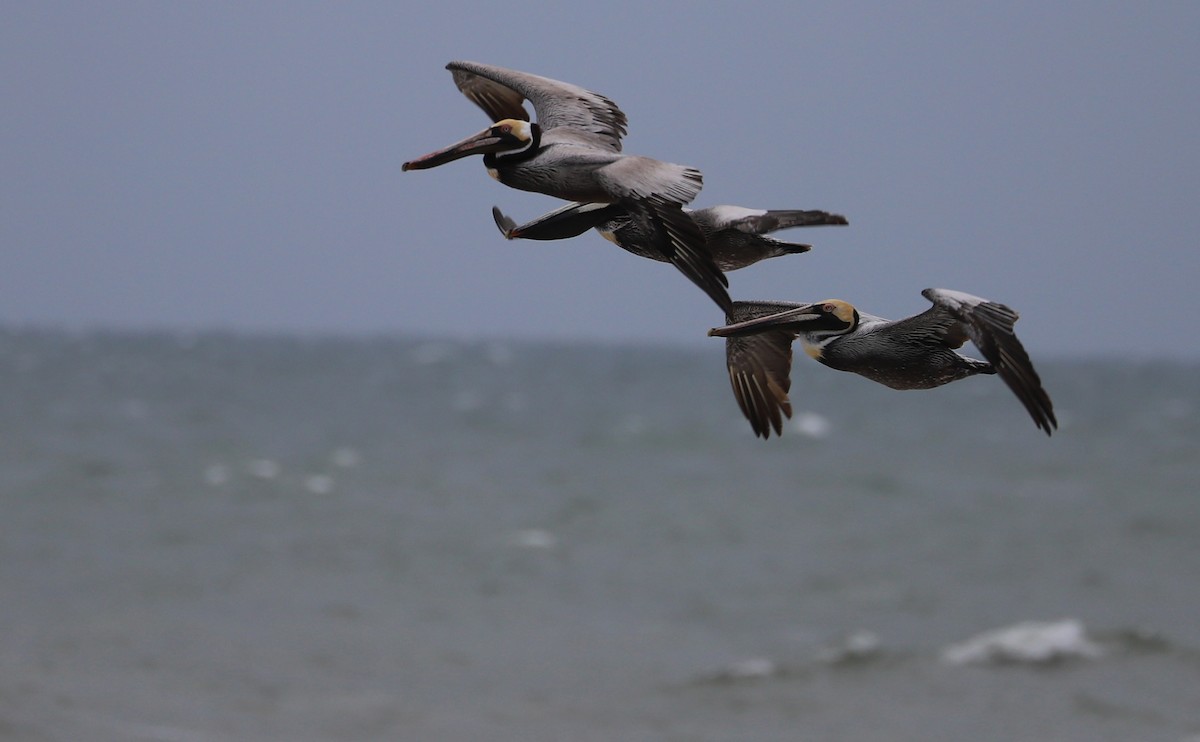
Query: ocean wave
{"x": 1027, "y": 642}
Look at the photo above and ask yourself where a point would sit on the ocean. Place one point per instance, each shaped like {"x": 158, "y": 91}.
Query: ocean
{"x": 219, "y": 537}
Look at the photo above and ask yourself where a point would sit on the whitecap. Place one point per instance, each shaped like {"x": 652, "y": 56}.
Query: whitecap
{"x": 319, "y": 484}
{"x": 264, "y": 468}
{"x": 859, "y": 646}
{"x": 748, "y": 669}
{"x": 1029, "y": 642}
{"x": 346, "y": 457}
{"x": 811, "y": 424}
{"x": 752, "y": 667}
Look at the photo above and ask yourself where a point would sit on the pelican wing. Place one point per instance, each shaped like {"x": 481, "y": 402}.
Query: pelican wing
{"x": 763, "y": 221}
{"x": 567, "y": 221}
{"x": 936, "y": 326}
{"x": 631, "y": 176}
{"x": 760, "y": 368}
{"x": 669, "y": 231}
{"x": 990, "y": 326}
{"x": 499, "y": 92}
{"x": 497, "y": 101}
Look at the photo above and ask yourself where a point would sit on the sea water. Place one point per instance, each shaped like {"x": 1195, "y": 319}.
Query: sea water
{"x": 234, "y": 537}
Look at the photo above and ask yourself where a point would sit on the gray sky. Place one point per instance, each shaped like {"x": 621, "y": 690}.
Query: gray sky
{"x": 237, "y": 165}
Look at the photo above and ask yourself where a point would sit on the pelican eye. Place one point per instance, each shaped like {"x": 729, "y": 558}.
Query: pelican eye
{"x": 829, "y": 308}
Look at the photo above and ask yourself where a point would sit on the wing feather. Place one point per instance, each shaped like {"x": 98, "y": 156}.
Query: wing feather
{"x": 763, "y": 221}
{"x": 990, "y": 325}
{"x": 760, "y": 368}
{"x": 499, "y": 92}
{"x": 668, "y": 229}
{"x": 633, "y": 176}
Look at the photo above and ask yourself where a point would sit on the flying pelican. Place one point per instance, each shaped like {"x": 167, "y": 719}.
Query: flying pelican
{"x": 573, "y": 152}
{"x": 736, "y": 235}
{"x": 917, "y": 352}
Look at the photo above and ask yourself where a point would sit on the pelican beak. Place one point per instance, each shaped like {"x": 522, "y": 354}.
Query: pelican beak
{"x": 476, "y": 144}
{"x": 792, "y": 317}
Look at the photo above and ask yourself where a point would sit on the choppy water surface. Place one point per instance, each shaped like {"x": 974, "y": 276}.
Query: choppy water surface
{"x": 216, "y": 537}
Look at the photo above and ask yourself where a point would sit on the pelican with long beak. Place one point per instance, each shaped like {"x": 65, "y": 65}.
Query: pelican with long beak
{"x": 573, "y": 152}
{"x": 736, "y": 236}
{"x": 917, "y": 352}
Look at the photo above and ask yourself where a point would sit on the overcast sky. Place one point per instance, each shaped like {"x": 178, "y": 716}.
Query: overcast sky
{"x": 237, "y": 165}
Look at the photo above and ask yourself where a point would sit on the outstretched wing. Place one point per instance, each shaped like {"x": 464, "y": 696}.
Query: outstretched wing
{"x": 760, "y": 368}
{"x": 498, "y": 101}
{"x": 669, "y": 231}
{"x": 499, "y": 92}
{"x": 989, "y": 325}
{"x": 632, "y": 176}
{"x": 763, "y": 221}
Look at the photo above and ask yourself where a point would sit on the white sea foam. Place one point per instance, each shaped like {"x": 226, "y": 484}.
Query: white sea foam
{"x": 533, "y": 538}
{"x": 750, "y": 668}
{"x": 264, "y": 468}
{"x": 319, "y": 484}
{"x": 1032, "y": 642}
{"x": 811, "y": 424}
{"x": 857, "y": 647}
{"x": 346, "y": 457}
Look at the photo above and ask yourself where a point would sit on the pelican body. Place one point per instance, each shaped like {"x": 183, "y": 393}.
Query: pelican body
{"x": 736, "y": 236}
{"x": 917, "y": 352}
{"x": 573, "y": 152}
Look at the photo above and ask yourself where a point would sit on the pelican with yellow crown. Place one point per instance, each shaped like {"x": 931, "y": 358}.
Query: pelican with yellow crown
{"x": 917, "y": 352}
{"x": 573, "y": 152}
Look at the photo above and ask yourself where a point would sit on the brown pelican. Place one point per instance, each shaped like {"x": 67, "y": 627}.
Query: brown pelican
{"x": 573, "y": 152}
{"x": 736, "y": 235}
{"x": 917, "y": 352}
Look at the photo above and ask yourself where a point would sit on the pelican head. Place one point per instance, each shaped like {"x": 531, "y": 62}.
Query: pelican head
{"x": 824, "y": 318}
{"x": 506, "y": 135}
